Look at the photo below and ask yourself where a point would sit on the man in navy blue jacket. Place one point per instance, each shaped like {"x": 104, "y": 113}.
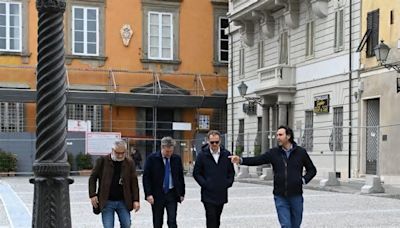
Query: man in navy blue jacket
{"x": 214, "y": 172}
{"x": 288, "y": 160}
{"x": 163, "y": 183}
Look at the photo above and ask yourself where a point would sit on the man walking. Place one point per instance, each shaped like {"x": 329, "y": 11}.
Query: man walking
{"x": 214, "y": 172}
{"x": 288, "y": 160}
{"x": 163, "y": 183}
{"x": 118, "y": 186}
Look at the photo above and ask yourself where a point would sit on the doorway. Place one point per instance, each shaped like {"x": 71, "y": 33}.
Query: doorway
{"x": 372, "y": 136}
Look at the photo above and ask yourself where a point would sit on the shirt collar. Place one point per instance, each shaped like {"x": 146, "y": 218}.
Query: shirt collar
{"x": 289, "y": 150}
{"x": 217, "y": 152}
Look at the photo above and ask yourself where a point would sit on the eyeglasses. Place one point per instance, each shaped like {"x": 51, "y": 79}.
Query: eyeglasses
{"x": 214, "y": 142}
{"x": 119, "y": 152}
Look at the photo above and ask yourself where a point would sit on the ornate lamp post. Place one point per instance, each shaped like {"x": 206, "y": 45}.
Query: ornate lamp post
{"x": 252, "y": 103}
{"x": 382, "y": 52}
{"x": 51, "y": 204}
{"x": 243, "y": 90}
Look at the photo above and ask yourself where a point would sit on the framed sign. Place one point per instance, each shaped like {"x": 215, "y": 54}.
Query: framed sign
{"x": 101, "y": 143}
{"x": 321, "y": 104}
{"x": 204, "y": 122}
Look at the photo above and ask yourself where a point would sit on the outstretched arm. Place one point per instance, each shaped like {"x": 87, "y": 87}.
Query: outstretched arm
{"x": 252, "y": 161}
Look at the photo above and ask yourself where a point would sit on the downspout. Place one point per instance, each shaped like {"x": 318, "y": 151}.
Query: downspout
{"x": 232, "y": 104}
{"x": 350, "y": 87}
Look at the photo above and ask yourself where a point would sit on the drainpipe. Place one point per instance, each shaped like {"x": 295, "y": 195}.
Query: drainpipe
{"x": 232, "y": 104}
{"x": 350, "y": 85}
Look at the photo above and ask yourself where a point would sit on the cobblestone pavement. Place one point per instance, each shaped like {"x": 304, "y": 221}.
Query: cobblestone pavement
{"x": 250, "y": 205}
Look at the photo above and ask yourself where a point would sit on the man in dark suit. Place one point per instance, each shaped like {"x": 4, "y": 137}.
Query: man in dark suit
{"x": 214, "y": 172}
{"x": 163, "y": 183}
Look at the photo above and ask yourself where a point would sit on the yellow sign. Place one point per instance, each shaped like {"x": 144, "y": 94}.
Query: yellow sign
{"x": 321, "y": 104}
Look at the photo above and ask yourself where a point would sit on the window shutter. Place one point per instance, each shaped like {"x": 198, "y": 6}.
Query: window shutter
{"x": 373, "y": 25}
{"x": 375, "y": 29}
{"x": 283, "y": 53}
{"x": 308, "y": 39}
{"x": 312, "y": 38}
{"x": 241, "y": 61}
{"x": 336, "y": 30}
{"x": 261, "y": 54}
{"x": 341, "y": 28}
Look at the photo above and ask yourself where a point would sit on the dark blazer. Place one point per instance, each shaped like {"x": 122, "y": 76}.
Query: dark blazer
{"x": 103, "y": 173}
{"x": 214, "y": 178}
{"x": 153, "y": 176}
{"x": 288, "y": 172}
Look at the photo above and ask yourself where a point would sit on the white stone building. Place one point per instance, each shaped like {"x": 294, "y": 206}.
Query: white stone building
{"x": 293, "y": 56}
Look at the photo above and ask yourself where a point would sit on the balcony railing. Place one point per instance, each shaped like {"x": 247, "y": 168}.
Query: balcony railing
{"x": 277, "y": 76}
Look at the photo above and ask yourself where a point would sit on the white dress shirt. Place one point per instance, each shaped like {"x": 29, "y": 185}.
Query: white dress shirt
{"x": 215, "y": 154}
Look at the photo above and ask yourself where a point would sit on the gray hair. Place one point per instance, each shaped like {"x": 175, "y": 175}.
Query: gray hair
{"x": 119, "y": 143}
{"x": 213, "y": 132}
{"x": 167, "y": 142}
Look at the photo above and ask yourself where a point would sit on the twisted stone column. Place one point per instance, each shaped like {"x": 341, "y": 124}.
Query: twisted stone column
{"x": 51, "y": 204}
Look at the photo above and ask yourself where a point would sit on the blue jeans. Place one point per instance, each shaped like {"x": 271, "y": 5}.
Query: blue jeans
{"x": 290, "y": 210}
{"x": 107, "y": 214}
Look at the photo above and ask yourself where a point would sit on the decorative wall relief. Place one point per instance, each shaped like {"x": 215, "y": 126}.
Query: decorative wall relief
{"x": 126, "y": 34}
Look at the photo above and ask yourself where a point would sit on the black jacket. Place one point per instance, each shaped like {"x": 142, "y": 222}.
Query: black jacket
{"x": 214, "y": 178}
{"x": 288, "y": 172}
{"x": 153, "y": 176}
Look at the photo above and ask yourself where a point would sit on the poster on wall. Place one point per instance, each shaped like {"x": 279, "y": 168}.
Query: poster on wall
{"x": 204, "y": 122}
{"x": 321, "y": 104}
{"x": 79, "y": 125}
{"x": 101, "y": 143}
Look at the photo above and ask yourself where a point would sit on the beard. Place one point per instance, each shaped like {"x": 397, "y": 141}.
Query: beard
{"x": 114, "y": 158}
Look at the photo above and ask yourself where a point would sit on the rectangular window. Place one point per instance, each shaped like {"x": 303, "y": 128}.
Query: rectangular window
{"x": 11, "y": 117}
{"x": 260, "y": 54}
{"x": 86, "y": 112}
{"x": 10, "y": 26}
{"x": 308, "y": 136}
{"x": 283, "y": 48}
{"x": 337, "y": 134}
{"x": 310, "y": 39}
{"x": 160, "y": 36}
{"x": 85, "y": 31}
{"x": 241, "y": 61}
{"x": 223, "y": 44}
{"x": 339, "y": 28}
{"x": 373, "y": 26}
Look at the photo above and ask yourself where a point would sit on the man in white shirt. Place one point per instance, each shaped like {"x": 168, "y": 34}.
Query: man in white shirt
{"x": 214, "y": 172}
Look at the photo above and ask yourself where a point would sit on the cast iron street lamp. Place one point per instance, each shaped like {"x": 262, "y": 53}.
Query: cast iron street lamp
{"x": 51, "y": 204}
{"x": 381, "y": 52}
{"x": 243, "y": 90}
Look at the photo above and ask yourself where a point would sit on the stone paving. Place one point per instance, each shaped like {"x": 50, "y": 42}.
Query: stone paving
{"x": 3, "y": 216}
{"x": 250, "y": 205}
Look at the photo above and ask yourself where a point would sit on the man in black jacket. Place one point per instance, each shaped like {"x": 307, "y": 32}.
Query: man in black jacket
{"x": 163, "y": 183}
{"x": 214, "y": 172}
{"x": 287, "y": 161}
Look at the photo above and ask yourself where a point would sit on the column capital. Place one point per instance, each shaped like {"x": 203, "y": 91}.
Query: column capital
{"x": 50, "y": 5}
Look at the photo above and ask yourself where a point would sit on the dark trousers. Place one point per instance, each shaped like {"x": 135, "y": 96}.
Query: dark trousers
{"x": 168, "y": 203}
{"x": 213, "y": 214}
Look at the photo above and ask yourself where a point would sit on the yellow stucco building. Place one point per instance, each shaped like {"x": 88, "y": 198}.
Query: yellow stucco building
{"x": 135, "y": 67}
{"x": 379, "y": 91}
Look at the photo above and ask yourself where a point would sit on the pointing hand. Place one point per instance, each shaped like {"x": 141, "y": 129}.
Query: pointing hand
{"x": 234, "y": 159}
